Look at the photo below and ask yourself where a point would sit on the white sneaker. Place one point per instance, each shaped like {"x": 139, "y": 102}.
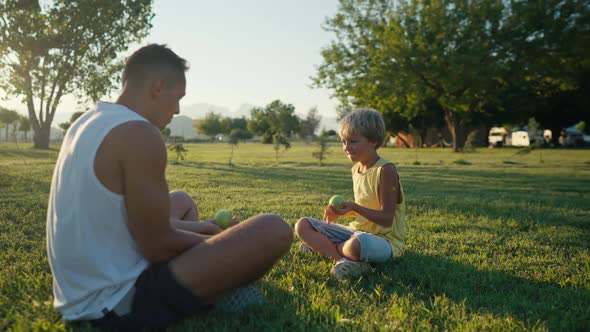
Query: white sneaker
{"x": 241, "y": 299}
{"x": 346, "y": 268}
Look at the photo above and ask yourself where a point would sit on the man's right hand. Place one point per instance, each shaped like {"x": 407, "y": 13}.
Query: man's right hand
{"x": 205, "y": 227}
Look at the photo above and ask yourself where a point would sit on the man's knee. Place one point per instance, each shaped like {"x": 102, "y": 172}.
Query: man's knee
{"x": 282, "y": 229}
{"x": 274, "y": 228}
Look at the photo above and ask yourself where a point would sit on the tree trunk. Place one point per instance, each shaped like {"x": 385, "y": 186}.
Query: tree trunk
{"x": 455, "y": 125}
{"x": 41, "y": 137}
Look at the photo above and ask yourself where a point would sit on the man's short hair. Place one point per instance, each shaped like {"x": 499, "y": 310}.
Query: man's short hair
{"x": 154, "y": 60}
{"x": 365, "y": 122}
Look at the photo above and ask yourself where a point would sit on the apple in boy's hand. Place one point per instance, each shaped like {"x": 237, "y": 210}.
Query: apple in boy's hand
{"x": 223, "y": 218}
{"x": 336, "y": 201}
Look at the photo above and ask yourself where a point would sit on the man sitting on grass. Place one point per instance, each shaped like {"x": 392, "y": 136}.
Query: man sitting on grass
{"x": 126, "y": 254}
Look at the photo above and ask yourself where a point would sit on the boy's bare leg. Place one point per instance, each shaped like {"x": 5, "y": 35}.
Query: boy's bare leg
{"x": 182, "y": 206}
{"x": 351, "y": 249}
{"x": 233, "y": 258}
{"x": 316, "y": 240}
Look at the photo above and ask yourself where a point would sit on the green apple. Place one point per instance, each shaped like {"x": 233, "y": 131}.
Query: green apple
{"x": 336, "y": 201}
{"x": 223, "y": 218}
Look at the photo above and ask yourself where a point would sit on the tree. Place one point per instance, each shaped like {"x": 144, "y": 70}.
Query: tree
{"x": 8, "y": 117}
{"x": 550, "y": 72}
{"x": 63, "y": 47}
{"x": 274, "y": 119}
{"x": 66, "y": 125}
{"x": 311, "y": 122}
{"x": 279, "y": 140}
{"x": 24, "y": 125}
{"x": 235, "y": 136}
{"x": 550, "y": 43}
{"x": 179, "y": 150}
{"x": 581, "y": 126}
{"x": 394, "y": 56}
{"x": 239, "y": 123}
{"x": 505, "y": 58}
{"x": 166, "y": 132}
{"x": 211, "y": 125}
{"x": 533, "y": 130}
{"x": 323, "y": 145}
{"x": 225, "y": 125}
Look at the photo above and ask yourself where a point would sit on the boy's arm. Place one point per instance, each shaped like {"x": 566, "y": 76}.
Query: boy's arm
{"x": 332, "y": 214}
{"x": 388, "y": 197}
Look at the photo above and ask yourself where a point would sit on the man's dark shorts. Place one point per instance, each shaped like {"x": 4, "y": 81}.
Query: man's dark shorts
{"x": 159, "y": 300}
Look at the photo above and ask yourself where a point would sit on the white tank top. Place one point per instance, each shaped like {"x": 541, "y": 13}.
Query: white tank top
{"x": 92, "y": 254}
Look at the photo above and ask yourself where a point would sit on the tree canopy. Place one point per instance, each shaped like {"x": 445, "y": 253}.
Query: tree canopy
{"x": 462, "y": 55}
{"x": 24, "y": 125}
{"x": 310, "y": 124}
{"x": 276, "y": 118}
{"x": 211, "y": 125}
{"x": 66, "y": 125}
{"x": 51, "y": 49}
{"x": 8, "y": 117}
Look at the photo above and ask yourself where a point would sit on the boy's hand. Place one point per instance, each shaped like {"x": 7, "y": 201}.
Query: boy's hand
{"x": 329, "y": 214}
{"x": 234, "y": 221}
{"x": 332, "y": 213}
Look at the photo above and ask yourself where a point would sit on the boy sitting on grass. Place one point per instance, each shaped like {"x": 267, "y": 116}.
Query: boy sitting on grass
{"x": 378, "y": 232}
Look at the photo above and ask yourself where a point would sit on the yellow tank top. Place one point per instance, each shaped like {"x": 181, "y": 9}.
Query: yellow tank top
{"x": 366, "y": 193}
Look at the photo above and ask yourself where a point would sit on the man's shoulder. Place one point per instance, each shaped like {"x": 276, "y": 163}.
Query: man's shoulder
{"x": 135, "y": 134}
{"x": 135, "y": 147}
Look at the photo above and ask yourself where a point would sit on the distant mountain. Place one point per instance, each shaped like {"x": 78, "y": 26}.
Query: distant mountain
{"x": 243, "y": 110}
{"x": 200, "y": 110}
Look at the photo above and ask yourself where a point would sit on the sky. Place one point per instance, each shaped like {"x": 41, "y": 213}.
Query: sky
{"x": 244, "y": 52}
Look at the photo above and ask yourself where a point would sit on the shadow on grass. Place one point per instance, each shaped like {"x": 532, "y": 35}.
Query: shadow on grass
{"x": 26, "y": 152}
{"x": 559, "y": 308}
{"x": 539, "y": 199}
{"x": 21, "y": 186}
{"x": 321, "y": 178}
{"x": 281, "y": 312}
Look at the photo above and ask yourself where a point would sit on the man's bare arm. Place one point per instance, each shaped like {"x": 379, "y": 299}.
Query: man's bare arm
{"x": 207, "y": 228}
{"x": 143, "y": 161}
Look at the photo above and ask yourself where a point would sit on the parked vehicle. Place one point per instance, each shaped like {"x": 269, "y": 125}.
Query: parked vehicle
{"x": 520, "y": 138}
{"x": 547, "y": 136}
{"x": 571, "y": 137}
{"x": 497, "y": 136}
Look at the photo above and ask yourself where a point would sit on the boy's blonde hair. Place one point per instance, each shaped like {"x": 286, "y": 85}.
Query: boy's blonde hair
{"x": 365, "y": 122}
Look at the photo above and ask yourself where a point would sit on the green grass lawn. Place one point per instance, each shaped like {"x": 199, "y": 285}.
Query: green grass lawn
{"x": 495, "y": 241}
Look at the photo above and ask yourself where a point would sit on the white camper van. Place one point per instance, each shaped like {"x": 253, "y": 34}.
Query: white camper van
{"x": 520, "y": 138}
{"x": 497, "y": 135}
